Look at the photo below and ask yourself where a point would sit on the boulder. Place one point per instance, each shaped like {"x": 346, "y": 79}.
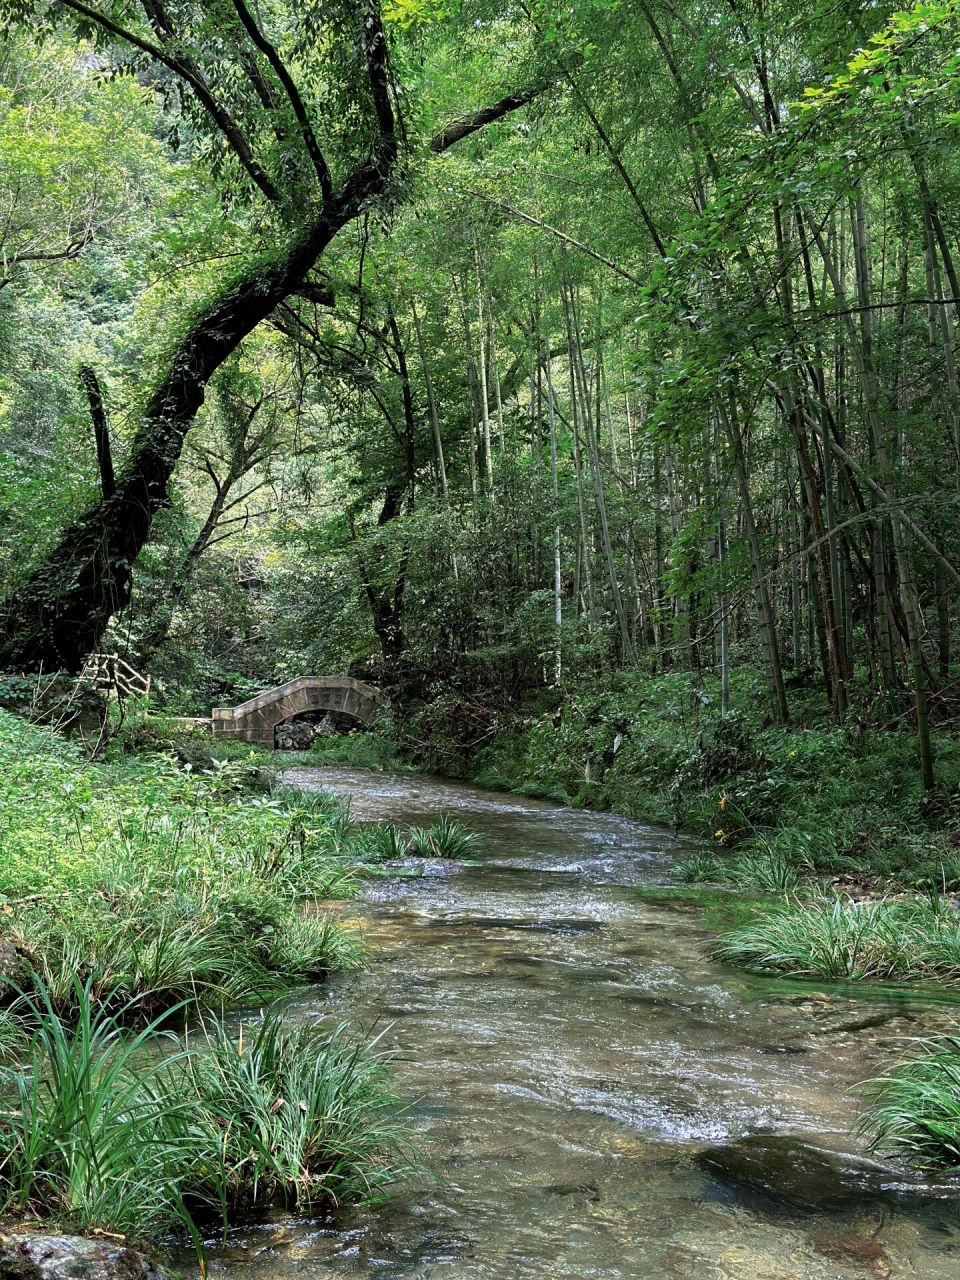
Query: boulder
{"x": 34, "y": 1256}
{"x": 296, "y": 736}
{"x": 13, "y": 966}
{"x": 789, "y": 1169}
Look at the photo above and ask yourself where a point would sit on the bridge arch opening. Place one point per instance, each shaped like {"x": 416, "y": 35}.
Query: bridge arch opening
{"x": 257, "y": 719}
{"x": 299, "y": 732}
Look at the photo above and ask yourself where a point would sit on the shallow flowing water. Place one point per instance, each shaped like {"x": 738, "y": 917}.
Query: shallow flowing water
{"x": 570, "y": 1053}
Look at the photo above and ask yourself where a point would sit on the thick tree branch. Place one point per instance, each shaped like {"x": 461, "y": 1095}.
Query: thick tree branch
{"x": 319, "y": 294}
{"x": 101, "y": 431}
{"x": 456, "y": 130}
{"x": 194, "y": 78}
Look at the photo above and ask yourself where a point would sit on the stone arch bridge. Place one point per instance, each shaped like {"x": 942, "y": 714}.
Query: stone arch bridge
{"x": 256, "y": 719}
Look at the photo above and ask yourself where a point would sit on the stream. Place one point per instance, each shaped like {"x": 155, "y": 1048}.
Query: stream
{"x": 573, "y": 1061}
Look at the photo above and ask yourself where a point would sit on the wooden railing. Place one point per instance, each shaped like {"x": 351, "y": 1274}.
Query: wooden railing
{"x": 114, "y": 674}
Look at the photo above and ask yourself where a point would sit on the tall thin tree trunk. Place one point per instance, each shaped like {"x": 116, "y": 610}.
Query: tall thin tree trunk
{"x": 768, "y": 624}
{"x": 555, "y": 489}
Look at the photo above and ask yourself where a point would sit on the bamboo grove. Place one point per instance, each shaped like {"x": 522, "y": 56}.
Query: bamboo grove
{"x": 643, "y": 354}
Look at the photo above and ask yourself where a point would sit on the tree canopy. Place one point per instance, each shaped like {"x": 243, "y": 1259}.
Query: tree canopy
{"x": 484, "y": 343}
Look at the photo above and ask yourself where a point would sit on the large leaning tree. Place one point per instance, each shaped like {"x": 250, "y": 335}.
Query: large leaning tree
{"x": 293, "y": 103}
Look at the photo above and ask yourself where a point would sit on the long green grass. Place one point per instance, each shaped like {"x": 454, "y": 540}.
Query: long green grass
{"x": 156, "y": 882}
{"x": 292, "y": 1116}
{"x": 386, "y": 842}
{"x": 913, "y": 1112}
{"x": 841, "y": 939}
{"x": 146, "y": 1132}
{"x": 383, "y": 843}
{"x": 446, "y": 838}
{"x": 88, "y": 1133}
{"x": 152, "y": 950}
{"x": 763, "y": 869}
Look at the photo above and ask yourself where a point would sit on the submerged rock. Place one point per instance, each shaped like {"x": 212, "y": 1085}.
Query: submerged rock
{"x": 31, "y": 1256}
{"x": 588, "y": 1189}
{"x": 788, "y": 1168}
{"x": 423, "y": 868}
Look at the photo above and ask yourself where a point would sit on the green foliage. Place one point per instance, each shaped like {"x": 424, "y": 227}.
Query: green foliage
{"x": 155, "y": 883}
{"x": 375, "y": 749}
{"x": 382, "y": 843}
{"x": 913, "y": 1111}
{"x": 88, "y": 1132}
{"x": 296, "y": 1116}
{"x": 410, "y": 13}
{"x": 13, "y": 1038}
{"x": 700, "y": 868}
{"x": 447, "y": 838}
{"x": 909, "y": 940}
{"x": 810, "y": 802}
{"x": 764, "y": 869}
{"x": 141, "y": 1133}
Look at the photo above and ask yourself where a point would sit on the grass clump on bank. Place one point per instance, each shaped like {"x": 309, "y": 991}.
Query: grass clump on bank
{"x": 143, "y": 1132}
{"x": 911, "y": 940}
{"x": 913, "y": 1111}
{"x": 763, "y": 869}
{"x": 290, "y": 1116}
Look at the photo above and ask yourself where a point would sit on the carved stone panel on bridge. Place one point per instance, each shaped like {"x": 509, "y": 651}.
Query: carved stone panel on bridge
{"x": 256, "y": 719}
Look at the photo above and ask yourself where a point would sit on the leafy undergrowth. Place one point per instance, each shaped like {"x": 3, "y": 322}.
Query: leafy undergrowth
{"x": 141, "y": 1133}
{"x": 372, "y": 748}
{"x": 134, "y": 895}
{"x": 913, "y": 1112}
{"x": 360, "y": 749}
{"x": 908, "y": 940}
{"x": 841, "y": 803}
{"x": 158, "y": 882}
